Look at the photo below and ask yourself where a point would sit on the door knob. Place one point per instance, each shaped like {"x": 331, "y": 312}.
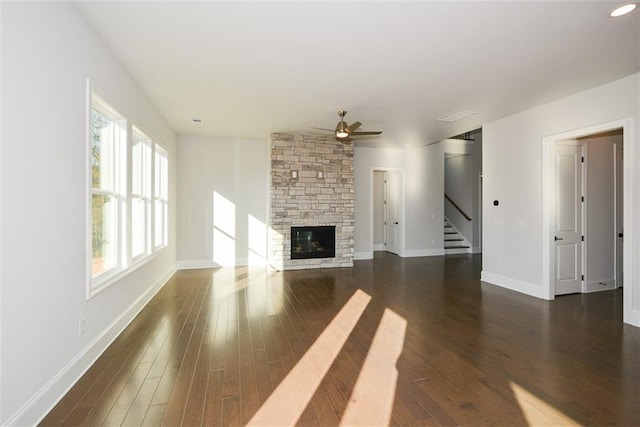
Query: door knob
{"x": 556, "y": 238}
{"x": 396, "y": 222}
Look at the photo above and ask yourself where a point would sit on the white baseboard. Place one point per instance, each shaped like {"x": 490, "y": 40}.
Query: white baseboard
{"x": 513, "y": 284}
{"x": 422, "y": 252}
{"x": 634, "y": 318}
{"x": 378, "y": 247}
{"x": 362, "y": 255}
{"x": 194, "y": 264}
{"x": 455, "y": 251}
{"x": 48, "y": 396}
{"x": 406, "y": 254}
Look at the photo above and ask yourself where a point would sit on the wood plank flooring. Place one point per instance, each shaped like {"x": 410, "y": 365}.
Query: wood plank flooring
{"x": 414, "y": 341}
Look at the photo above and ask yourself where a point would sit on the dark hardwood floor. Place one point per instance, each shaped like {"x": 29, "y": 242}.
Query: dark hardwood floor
{"x": 390, "y": 341}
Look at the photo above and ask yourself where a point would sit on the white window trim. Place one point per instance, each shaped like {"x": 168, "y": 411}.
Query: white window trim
{"x": 126, "y": 265}
{"x": 157, "y": 148}
{"x": 147, "y": 198}
{"x": 120, "y": 192}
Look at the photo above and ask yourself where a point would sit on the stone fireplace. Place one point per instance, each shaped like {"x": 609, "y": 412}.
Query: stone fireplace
{"x": 312, "y": 185}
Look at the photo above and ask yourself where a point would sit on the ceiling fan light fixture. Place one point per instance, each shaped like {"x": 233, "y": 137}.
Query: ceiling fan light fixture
{"x": 342, "y": 130}
{"x": 341, "y": 133}
{"x": 623, "y": 10}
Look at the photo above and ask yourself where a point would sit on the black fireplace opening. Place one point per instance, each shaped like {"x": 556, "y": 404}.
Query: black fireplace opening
{"x": 313, "y": 242}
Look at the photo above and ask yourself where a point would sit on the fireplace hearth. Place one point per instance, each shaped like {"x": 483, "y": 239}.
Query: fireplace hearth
{"x": 313, "y": 242}
{"x": 312, "y": 185}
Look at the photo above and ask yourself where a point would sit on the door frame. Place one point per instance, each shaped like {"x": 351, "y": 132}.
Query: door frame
{"x": 401, "y": 214}
{"x": 480, "y": 198}
{"x": 548, "y": 144}
{"x": 617, "y": 212}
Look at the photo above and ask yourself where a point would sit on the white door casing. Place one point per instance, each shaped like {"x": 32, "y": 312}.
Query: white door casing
{"x": 568, "y": 217}
{"x": 619, "y": 214}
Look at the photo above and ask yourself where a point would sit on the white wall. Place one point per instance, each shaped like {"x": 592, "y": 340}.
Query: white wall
{"x": 222, "y": 201}
{"x": 47, "y": 53}
{"x": 423, "y": 182}
{"x": 512, "y": 167}
{"x": 600, "y": 213}
{"x": 378, "y": 209}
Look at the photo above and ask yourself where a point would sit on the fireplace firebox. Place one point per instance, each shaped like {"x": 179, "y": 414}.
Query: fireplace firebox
{"x": 313, "y": 242}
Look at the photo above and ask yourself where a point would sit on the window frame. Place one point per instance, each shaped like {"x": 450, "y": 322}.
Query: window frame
{"x": 160, "y": 195}
{"x": 146, "y": 193}
{"x": 125, "y": 262}
{"x": 118, "y": 192}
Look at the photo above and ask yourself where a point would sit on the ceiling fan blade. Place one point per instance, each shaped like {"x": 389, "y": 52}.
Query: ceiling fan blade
{"x": 327, "y": 130}
{"x": 353, "y": 126}
{"x": 365, "y": 133}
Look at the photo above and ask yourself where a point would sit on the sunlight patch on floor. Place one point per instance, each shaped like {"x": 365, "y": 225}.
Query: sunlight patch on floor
{"x": 371, "y": 402}
{"x": 291, "y": 397}
{"x": 538, "y": 412}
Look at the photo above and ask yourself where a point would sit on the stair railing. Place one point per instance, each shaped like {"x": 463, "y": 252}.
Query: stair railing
{"x": 455, "y": 205}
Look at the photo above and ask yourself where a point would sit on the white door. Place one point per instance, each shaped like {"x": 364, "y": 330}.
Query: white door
{"x": 391, "y": 212}
{"x": 568, "y": 217}
{"x": 619, "y": 214}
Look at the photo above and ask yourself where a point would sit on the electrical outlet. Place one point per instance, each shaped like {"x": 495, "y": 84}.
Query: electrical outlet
{"x": 81, "y": 326}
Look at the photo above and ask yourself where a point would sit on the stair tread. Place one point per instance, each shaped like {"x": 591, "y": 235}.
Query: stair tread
{"x": 457, "y": 247}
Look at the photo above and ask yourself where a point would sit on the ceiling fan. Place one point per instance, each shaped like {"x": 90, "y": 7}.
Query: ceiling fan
{"x": 344, "y": 132}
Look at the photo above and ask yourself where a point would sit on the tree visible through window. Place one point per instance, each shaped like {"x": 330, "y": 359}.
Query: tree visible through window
{"x": 108, "y": 159}
{"x": 128, "y": 195}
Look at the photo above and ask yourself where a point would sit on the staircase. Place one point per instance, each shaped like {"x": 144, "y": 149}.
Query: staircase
{"x": 454, "y": 243}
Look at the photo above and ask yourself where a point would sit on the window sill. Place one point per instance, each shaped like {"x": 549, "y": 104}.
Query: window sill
{"x": 99, "y": 284}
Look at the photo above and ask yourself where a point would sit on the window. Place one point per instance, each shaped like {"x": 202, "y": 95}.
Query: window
{"x": 108, "y": 188}
{"x": 140, "y": 194}
{"x": 161, "y": 193}
{"x": 128, "y": 196}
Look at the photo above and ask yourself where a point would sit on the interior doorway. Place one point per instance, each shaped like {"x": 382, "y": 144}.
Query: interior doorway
{"x": 598, "y": 260}
{"x": 604, "y": 206}
{"x": 388, "y": 210}
{"x": 463, "y": 193}
{"x": 391, "y": 194}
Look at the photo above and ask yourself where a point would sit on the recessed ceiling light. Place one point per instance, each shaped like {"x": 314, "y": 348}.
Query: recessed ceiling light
{"x": 197, "y": 120}
{"x": 623, "y": 10}
{"x": 455, "y": 115}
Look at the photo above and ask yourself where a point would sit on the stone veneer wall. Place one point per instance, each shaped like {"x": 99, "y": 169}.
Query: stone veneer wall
{"x": 322, "y": 194}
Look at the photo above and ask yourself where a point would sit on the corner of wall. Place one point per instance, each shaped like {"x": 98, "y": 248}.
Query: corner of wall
{"x": 513, "y": 284}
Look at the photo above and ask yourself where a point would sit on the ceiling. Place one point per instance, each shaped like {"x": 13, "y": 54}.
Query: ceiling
{"x": 247, "y": 69}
